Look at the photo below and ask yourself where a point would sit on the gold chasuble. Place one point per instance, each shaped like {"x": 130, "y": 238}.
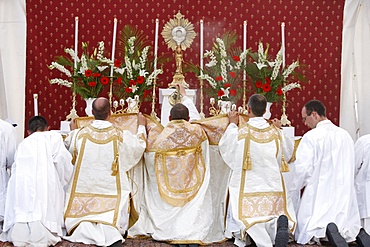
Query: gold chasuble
{"x": 179, "y": 162}
{"x": 95, "y": 194}
{"x": 266, "y": 200}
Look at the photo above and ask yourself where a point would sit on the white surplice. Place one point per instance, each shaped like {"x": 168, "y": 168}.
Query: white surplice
{"x": 35, "y": 197}
{"x": 362, "y": 179}
{"x": 257, "y": 194}
{"x": 97, "y": 205}
{"x": 325, "y": 169}
{"x": 8, "y": 145}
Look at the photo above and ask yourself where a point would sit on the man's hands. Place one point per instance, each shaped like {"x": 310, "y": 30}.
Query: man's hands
{"x": 141, "y": 119}
{"x": 233, "y": 117}
{"x": 181, "y": 89}
{"x": 73, "y": 124}
{"x": 276, "y": 122}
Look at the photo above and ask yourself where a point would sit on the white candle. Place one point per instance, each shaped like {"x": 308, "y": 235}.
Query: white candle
{"x": 113, "y": 45}
{"x": 156, "y": 43}
{"x": 35, "y": 104}
{"x": 201, "y": 47}
{"x": 244, "y": 45}
{"x": 76, "y": 42}
{"x": 283, "y": 42}
{"x": 233, "y": 107}
{"x": 121, "y": 101}
{"x": 115, "y": 104}
{"x": 212, "y": 101}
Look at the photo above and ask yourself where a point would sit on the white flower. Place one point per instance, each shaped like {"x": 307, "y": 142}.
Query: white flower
{"x": 61, "y": 68}
{"x": 260, "y": 65}
{"x": 152, "y": 76}
{"x": 291, "y": 86}
{"x": 61, "y": 82}
{"x": 101, "y": 68}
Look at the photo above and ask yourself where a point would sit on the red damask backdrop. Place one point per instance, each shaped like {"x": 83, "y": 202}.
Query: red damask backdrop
{"x": 313, "y": 31}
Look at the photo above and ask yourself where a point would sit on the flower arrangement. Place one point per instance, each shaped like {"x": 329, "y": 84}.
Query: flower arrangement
{"x": 224, "y": 68}
{"x": 132, "y": 76}
{"x": 90, "y": 75}
{"x": 268, "y": 77}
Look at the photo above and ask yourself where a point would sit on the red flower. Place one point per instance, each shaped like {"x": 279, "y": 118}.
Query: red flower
{"x": 104, "y": 80}
{"x": 128, "y": 90}
{"x": 220, "y": 93}
{"x": 279, "y": 91}
{"x": 140, "y": 79}
{"x": 266, "y": 87}
{"x": 232, "y": 74}
{"x": 146, "y": 93}
{"x": 92, "y": 83}
{"x": 96, "y": 75}
{"x": 258, "y": 84}
{"x": 232, "y": 92}
{"x": 268, "y": 80}
{"x": 117, "y": 63}
{"x": 226, "y": 85}
{"x": 236, "y": 58}
{"x": 119, "y": 80}
{"x": 88, "y": 73}
{"x": 219, "y": 78}
{"x": 132, "y": 82}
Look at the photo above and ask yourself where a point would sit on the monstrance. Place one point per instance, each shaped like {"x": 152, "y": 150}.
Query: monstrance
{"x": 178, "y": 34}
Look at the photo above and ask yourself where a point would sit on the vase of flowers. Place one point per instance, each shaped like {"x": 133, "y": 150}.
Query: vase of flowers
{"x": 133, "y": 79}
{"x": 88, "y": 75}
{"x": 268, "y": 77}
{"x": 223, "y": 70}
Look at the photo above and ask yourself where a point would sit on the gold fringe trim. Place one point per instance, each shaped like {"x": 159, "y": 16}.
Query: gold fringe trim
{"x": 284, "y": 164}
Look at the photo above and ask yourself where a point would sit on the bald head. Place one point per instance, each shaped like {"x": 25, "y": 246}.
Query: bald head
{"x": 101, "y": 108}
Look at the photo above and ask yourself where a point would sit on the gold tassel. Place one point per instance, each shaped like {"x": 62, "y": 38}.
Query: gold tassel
{"x": 74, "y": 156}
{"x": 247, "y": 164}
{"x": 115, "y": 166}
{"x": 284, "y": 164}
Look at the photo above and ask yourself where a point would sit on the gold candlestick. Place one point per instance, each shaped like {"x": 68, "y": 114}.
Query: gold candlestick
{"x": 73, "y": 113}
{"x": 201, "y": 99}
{"x": 153, "y": 114}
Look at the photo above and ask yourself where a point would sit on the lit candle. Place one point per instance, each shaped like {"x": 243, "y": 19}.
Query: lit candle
{"x": 283, "y": 42}
{"x": 244, "y": 45}
{"x": 201, "y": 47}
{"x": 113, "y": 45}
{"x": 76, "y": 42}
{"x": 156, "y": 43}
{"x": 35, "y": 104}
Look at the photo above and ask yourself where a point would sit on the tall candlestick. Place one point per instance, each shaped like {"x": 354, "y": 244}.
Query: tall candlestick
{"x": 156, "y": 43}
{"x": 35, "y": 104}
{"x": 113, "y": 44}
{"x": 201, "y": 47}
{"x": 283, "y": 42}
{"x": 244, "y": 45}
{"x": 76, "y": 43}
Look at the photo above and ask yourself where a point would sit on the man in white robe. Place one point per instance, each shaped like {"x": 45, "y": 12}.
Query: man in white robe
{"x": 35, "y": 197}
{"x": 325, "y": 169}
{"x": 177, "y": 202}
{"x": 362, "y": 179}
{"x": 255, "y": 152}
{"x": 97, "y": 205}
{"x": 8, "y": 145}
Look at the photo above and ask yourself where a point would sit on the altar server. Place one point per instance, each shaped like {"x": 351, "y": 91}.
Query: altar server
{"x": 97, "y": 207}
{"x": 259, "y": 207}
{"x": 325, "y": 170}
{"x": 35, "y": 196}
{"x": 362, "y": 179}
{"x": 8, "y": 145}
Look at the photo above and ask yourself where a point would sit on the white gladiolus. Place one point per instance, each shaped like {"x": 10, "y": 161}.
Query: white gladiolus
{"x": 291, "y": 86}
{"x": 61, "y": 82}
{"x": 61, "y": 68}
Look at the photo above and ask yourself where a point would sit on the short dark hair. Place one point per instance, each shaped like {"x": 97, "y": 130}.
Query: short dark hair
{"x": 179, "y": 111}
{"x": 315, "y": 106}
{"x": 37, "y": 123}
{"x": 101, "y": 110}
{"x": 257, "y": 103}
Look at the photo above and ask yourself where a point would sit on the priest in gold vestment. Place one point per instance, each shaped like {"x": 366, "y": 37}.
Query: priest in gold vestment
{"x": 97, "y": 203}
{"x": 177, "y": 201}
{"x": 255, "y": 154}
